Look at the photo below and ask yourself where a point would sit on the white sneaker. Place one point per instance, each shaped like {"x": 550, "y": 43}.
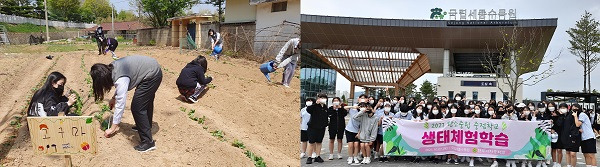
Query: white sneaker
{"x": 356, "y": 161}
{"x": 523, "y": 164}
{"x": 472, "y": 162}
{"x": 339, "y": 156}
{"x": 479, "y": 159}
{"x": 494, "y": 164}
{"x": 364, "y": 161}
{"x": 462, "y": 159}
{"x": 302, "y": 155}
{"x": 507, "y": 163}
{"x": 513, "y": 163}
{"x": 314, "y": 155}
{"x": 539, "y": 164}
{"x": 350, "y": 160}
{"x": 448, "y": 161}
{"x": 544, "y": 164}
{"x": 528, "y": 163}
{"x": 368, "y": 160}
{"x": 287, "y": 86}
{"x": 330, "y": 156}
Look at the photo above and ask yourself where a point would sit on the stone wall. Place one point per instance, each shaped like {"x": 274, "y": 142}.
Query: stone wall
{"x": 162, "y": 36}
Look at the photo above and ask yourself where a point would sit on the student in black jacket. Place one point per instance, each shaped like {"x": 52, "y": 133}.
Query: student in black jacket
{"x": 99, "y": 35}
{"x": 337, "y": 123}
{"x": 49, "y": 99}
{"x": 110, "y": 44}
{"x": 316, "y": 127}
{"x": 191, "y": 81}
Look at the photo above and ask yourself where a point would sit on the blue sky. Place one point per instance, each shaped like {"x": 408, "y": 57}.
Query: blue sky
{"x": 567, "y": 12}
{"x": 124, "y": 5}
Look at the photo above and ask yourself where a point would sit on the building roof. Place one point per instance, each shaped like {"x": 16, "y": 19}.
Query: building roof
{"x": 195, "y": 15}
{"x": 255, "y": 2}
{"x": 119, "y": 26}
{"x": 426, "y": 37}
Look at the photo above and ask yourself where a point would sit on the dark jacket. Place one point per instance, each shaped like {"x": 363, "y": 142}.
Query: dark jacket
{"x": 318, "y": 116}
{"x": 570, "y": 131}
{"x": 191, "y": 74}
{"x": 51, "y": 104}
{"x": 336, "y": 118}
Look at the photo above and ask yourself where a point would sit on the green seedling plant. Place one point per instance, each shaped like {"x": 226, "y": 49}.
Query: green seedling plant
{"x": 238, "y": 144}
{"x": 104, "y": 123}
{"x": 258, "y": 161}
{"x": 78, "y": 105}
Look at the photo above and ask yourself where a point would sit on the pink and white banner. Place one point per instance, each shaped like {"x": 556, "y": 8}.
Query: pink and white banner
{"x": 477, "y": 137}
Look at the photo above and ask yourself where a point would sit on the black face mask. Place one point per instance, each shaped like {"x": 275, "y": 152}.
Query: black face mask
{"x": 60, "y": 90}
{"x": 509, "y": 111}
{"x": 500, "y": 113}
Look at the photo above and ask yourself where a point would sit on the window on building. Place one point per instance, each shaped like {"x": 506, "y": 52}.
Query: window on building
{"x": 450, "y": 94}
{"x": 279, "y": 6}
{"x": 463, "y": 94}
{"x": 505, "y": 96}
{"x": 493, "y": 95}
{"x": 475, "y": 95}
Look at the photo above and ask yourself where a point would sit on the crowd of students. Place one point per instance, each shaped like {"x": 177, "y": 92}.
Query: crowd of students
{"x": 573, "y": 127}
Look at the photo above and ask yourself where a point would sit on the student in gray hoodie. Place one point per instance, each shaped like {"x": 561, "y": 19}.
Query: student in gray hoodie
{"x": 368, "y": 130}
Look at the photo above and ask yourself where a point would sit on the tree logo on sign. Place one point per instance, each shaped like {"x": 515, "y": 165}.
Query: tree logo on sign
{"x": 437, "y": 13}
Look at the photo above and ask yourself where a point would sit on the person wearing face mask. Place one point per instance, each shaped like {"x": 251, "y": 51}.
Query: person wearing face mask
{"x": 454, "y": 112}
{"x": 491, "y": 111}
{"x": 397, "y": 104}
{"x": 337, "y": 123}
{"x": 372, "y": 101}
{"x": 458, "y": 97}
{"x": 477, "y": 111}
{"x": 525, "y": 114}
{"x": 367, "y": 133}
{"x": 316, "y": 127}
{"x": 531, "y": 106}
{"x": 404, "y": 115}
{"x": 571, "y": 137}
{"x": 556, "y": 130}
{"x": 352, "y": 129}
{"x": 387, "y": 108}
{"x": 542, "y": 112}
{"x": 305, "y": 117}
{"x": 588, "y": 140}
{"x": 418, "y": 114}
{"x": 435, "y": 113}
{"x": 49, "y": 100}
{"x": 510, "y": 115}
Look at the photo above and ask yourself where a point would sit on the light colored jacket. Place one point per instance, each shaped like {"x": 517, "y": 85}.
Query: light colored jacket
{"x": 288, "y": 53}
{"x": 368, "y": 126}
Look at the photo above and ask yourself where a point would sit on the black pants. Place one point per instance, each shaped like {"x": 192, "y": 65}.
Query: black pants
{"x": 100, "y": 48}
{"x": 142, "y": 106}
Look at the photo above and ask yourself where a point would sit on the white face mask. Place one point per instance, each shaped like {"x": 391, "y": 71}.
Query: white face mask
{"x": 562, "y": 110}
{"x": 551, "y": 108}
{"x": 472, "y": 106}
{"x": 429, "y": 106}
{"x": 423, "y": 105}
{"x": 477, "y": 111}
{"x": 453, "y": 111}
{"x": 419, "y": 111}
{"x": 363, "y": 109}
{"x": 336, "y": 103}
{"x": 592, "y": 114}
{"x": 401, "y": 101}
{"x": 467, "y": 111}
{"x": 387, "y": 109}
{"x": 491, "y": 112}
{"x": 361, "y": 100}
{"x": 526, "y": 112}
{"x": 457, "y": 98}
{"x": 435, "y": 112}
{"x": 531, "y": 108}
{"x": 394, "y": 101}
{"x": 323, "y": 101}
{"x": 542, "y": 109}
{"x": 309, "y": 103}
{"x": 404, "y": 114}
{"x": 372, "y": 101}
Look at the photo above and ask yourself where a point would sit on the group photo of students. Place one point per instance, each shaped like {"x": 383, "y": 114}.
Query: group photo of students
{"x": 573, "y": 128}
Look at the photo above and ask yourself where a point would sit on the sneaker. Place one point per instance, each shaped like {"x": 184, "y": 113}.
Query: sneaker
{"x": 356, "y": 161}
{"x": 463, "y": 159}
{"x": 494, "y": 164}
{"x": 381, "y": 159}
{"x": 539, "y": 164}
{"x": 135, "y": 129}
{"x": 472, "y": 162}
{"x": 287, "y": 86}
{"x": 529, "y": 164}
{"x": 339, "y": 156}
{"x": 386, "y": 159}
{"x": 368, "y": 160}
{"x": 523, "y": 164}
{"x": 513, "y": 163}
{"x": 544, "y": 165}
{"x": 115, "y": 57}
{"x": 364, "y": 161}
{"x": 507, "y": 163}
{"x": 479, "y": 159}
{"x": 145, "y": 147}
{"x": 350, "y": 160}
{"x": 330, "y": 156}
{"x": 314, "y": 155}
{"x": 455, "y": 161}
{"x": 302, "y": 155}
{"x": 448, "y": 161}
{"x": 309, "y": 160}
{"x": 193, "y": 99}
{"x": 319, "y": 159}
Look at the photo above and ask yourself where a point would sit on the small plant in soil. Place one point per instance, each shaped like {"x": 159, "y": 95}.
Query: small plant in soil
{"x": 78, "y": 103}
{"x": 100, "y": 117}
{"x": 238, "y": 144}
{"x": 258, "y": 161}
{"x": 219, "y": 134}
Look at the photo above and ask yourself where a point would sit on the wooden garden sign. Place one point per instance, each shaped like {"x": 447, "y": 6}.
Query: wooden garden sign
{"x": 63, "y": 135}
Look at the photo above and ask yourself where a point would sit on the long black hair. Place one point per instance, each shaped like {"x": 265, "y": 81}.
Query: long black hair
{"x": 47, "y": 87}
{"x": 201, "y": 61}
{"x": 214, "y": 34}
{"x": 102, "y": 79}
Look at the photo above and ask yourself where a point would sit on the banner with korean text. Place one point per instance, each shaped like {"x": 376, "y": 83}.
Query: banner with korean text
{"x": 477, "y": 137}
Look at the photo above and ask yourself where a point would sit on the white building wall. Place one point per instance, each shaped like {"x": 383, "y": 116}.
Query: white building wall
{"x": 239, "y": 11}
{"x": 271, "y": 33}
{"x": 446, "y": 84}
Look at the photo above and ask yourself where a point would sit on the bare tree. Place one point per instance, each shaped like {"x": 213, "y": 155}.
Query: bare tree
{"x": 520, "y": 52}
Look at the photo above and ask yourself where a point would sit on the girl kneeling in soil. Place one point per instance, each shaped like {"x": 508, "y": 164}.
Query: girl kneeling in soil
{"x": 49, "y": 100}
{"x": 140, "y": 72}
{"x": 111, "y": 44}
{"x": 191, "y": 81}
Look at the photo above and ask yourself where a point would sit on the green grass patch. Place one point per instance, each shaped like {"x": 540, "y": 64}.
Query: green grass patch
{"x": 29, "y": 28}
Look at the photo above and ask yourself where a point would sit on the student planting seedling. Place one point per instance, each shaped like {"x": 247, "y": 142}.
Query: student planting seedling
{"x": 192, "y": 81}
{"x": 49, "y": 100}
{"x": 110, "y": 44}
